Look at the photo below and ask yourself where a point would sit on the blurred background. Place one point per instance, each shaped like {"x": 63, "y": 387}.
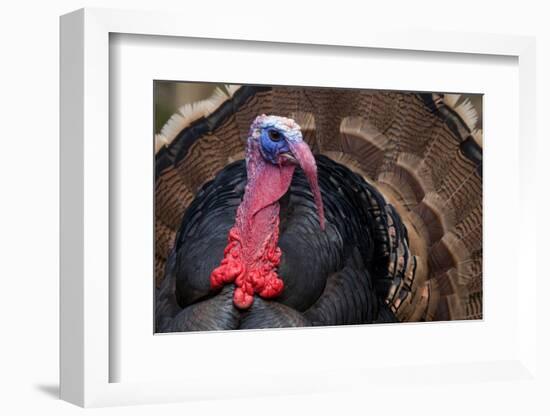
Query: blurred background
{"x": 171, "y": 95}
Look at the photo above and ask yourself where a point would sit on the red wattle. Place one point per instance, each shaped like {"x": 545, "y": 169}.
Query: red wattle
{"x": 252, "y": 255}
{"x": 256, "y": 277}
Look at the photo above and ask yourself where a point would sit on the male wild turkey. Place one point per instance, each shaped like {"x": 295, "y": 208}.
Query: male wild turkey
{"x": 384, "y": 224}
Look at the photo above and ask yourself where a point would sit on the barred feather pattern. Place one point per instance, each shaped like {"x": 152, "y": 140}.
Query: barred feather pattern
{"x": 421, "y": 151}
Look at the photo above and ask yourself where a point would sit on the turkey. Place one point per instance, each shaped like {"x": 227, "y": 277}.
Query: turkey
{"x": 300, "y": 206}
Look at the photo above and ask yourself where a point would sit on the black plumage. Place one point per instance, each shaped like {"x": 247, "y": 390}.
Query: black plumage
{"x": 318, "y": 267}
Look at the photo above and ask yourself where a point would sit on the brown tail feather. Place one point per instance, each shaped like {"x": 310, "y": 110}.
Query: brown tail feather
{"x": 260, "y": 103}
{"x": 172, "y": 197}
{"x": 361, "y": 140}
{"x": 307, "y": 124}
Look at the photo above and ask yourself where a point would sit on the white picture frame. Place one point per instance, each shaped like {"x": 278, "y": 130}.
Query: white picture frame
{"x": 85, "y": 214}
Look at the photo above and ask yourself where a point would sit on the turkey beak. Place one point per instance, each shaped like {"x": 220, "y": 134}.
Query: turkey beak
{"x": 303, "y": 156}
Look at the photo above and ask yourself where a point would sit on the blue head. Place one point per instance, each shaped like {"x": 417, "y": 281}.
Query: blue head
{"x": 276, "y": 136}
{"x": 280, "y": 142}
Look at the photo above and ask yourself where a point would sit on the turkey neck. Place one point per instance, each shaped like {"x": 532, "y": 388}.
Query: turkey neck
{"x": 257, "y": 217}
{"x": 252, "y": 254}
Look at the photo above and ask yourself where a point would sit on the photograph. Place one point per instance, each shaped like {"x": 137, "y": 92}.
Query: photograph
{"x": 297, "y": 206}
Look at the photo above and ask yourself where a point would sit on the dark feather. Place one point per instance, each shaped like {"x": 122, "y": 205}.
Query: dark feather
{"x": 316, "y": 266}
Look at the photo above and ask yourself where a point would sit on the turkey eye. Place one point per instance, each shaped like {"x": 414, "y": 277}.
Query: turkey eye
{"x": 274, "y": 135}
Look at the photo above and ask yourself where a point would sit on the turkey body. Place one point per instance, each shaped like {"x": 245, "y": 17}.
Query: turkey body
{"x": 332, "y": 277}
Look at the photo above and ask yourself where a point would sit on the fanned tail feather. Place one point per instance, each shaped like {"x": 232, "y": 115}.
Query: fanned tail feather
{"x": 422, "y": 151}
